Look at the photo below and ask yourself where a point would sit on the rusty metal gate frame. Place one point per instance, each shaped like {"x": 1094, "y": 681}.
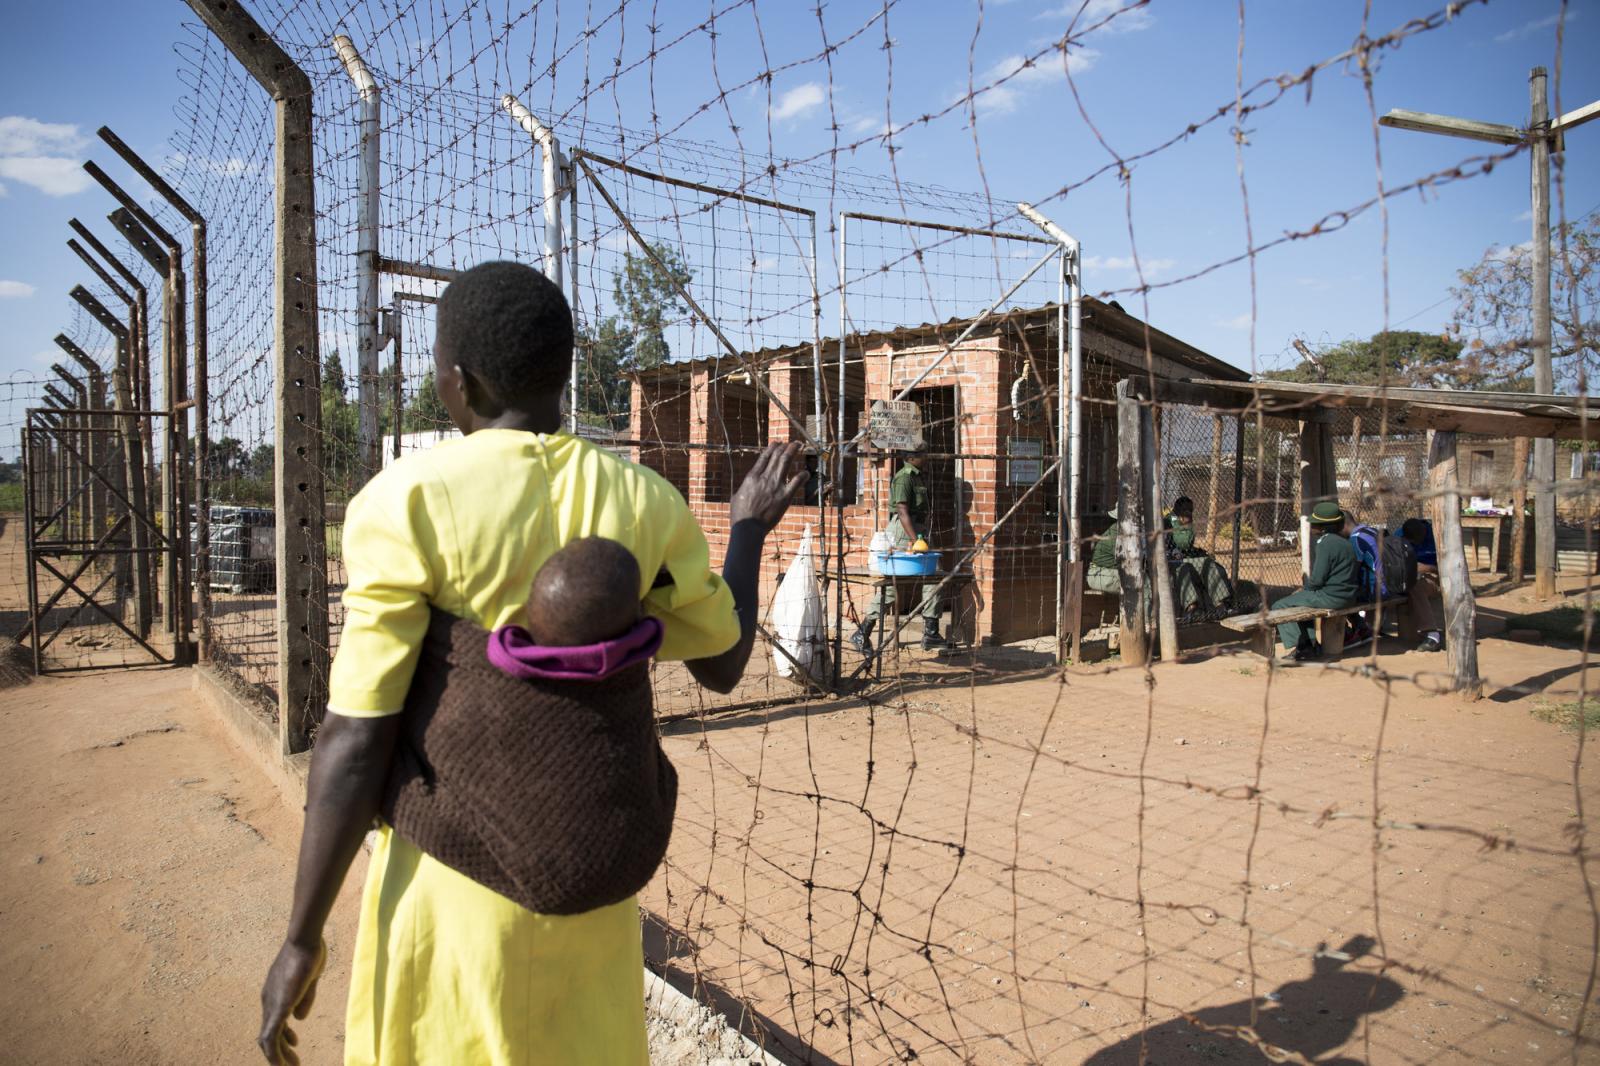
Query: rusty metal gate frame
{"x": 92, "y": 470}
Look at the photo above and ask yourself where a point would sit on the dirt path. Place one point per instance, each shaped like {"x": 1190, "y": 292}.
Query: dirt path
{"x": 146, "y": 877}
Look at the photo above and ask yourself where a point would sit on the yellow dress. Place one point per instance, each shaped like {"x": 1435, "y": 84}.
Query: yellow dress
{"x": 446, "y": 970}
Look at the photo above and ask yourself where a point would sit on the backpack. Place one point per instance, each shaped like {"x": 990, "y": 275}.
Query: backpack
{"x": 1388, "y": 563}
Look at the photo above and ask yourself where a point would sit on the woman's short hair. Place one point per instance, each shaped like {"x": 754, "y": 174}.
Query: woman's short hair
{"x": 510, "y": 327}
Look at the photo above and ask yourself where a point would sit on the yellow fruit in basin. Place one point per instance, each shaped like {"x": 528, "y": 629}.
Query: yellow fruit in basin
{"x": 920, "y": 546}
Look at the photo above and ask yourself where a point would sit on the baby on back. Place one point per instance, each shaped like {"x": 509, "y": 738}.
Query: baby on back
{"x": 586, "y": 593}
{"x": 585, "y": 619}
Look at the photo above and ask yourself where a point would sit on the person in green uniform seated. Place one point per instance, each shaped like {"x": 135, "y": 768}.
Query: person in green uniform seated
{"x": 1201, "y": 581}
{"x": 1103, "y": 572}
{"x": 1332, "y": 584}
{"x": 909, "y": 504}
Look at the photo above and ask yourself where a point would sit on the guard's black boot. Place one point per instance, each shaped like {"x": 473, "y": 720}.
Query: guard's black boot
{"x": 861, "y": 639}
{"x": 931, "y": 640}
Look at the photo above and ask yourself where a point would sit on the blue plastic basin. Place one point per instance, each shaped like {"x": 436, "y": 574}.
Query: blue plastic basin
{"x": 909, "y": 564}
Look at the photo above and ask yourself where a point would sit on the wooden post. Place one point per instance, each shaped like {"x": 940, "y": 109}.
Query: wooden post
{"x": 1216, "y": 474}
{"x": 1150, "y": 483}
{"x": 1238, "y": 492}
{"x": 1461, "y": 642}
{"x": 301, "y": 555}
{"x": 1517, "y": 569}
{"x": 1131, "y": 530}
{"x": 1305, "y": 486}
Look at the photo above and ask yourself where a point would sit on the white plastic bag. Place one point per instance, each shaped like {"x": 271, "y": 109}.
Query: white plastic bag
{"x": 882, "y": 544}
{"x": 798, "y": 619}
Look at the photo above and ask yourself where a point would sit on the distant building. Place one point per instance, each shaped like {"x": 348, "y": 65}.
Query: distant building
{"x": 700, "y": 423}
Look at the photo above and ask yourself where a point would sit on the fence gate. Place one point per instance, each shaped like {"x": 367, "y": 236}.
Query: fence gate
{"x": 95, "y": 548}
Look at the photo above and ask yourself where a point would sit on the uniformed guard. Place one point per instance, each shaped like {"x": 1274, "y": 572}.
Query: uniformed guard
{"x": 1333, "y": 582}
{"x": 908, "y": 506}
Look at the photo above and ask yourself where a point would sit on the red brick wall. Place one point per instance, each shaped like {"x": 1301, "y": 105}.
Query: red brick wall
{"x": 1014, "y": 575}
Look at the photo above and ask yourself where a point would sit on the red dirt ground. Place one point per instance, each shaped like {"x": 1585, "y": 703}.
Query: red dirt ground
{"x": 973, "y": 856}
{"x": 1000, "y": 828}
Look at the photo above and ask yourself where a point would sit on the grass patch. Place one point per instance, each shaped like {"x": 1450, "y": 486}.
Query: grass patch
{"x": 1568, "y": 715}
{"x": 11, "y": 498}
{"x": 1558, "y": 623}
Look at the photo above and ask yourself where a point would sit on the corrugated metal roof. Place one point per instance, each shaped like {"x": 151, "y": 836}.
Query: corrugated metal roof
{"x": 1098, "y": 317}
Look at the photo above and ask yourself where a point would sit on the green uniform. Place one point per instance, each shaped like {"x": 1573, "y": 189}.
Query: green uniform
{"x": 1201, "y": 581}
{"x": 1333, "y": 583}
{"x": 910, "y": 488}
{"x": 1103, "y": 575}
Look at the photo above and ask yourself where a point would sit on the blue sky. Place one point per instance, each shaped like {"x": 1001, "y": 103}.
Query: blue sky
{"x": 66, "y": 70}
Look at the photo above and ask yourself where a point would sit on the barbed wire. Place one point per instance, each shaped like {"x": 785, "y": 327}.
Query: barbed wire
{"x": 870, "y": 875}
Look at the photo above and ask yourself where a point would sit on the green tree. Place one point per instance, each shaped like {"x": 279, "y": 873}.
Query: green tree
{"x": 635, "y": 338}
{"x": 1396, "y": 357}
{"x": 1494, "y": 317}
{"x": 647, "y": 296}
{"x": 425, "y": 413}
{"x": 340, "y": 428}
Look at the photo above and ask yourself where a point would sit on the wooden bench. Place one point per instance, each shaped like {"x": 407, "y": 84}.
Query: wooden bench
{"x": 1262, "y": 628}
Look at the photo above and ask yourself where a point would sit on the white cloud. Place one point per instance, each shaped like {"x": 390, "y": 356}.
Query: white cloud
{"x": 1525, "y": 216}
{"x": 42, "y": 154}
{"x": 1529, "y": 28}
{"x": 51, "y": 175}
{"x": 1314, "y": 284}
{"x": 15, "y": 290}
{"x": 1241, "y": 321}
{"x": 1018, "y": 76}
{"x": 1124, "y": 16}
{"x": 231, "y": 167}
{"x": 1153, "y": 267}
{"x": 1508, "y": 254}
{"x": 801, "y": 100}
{"x": 27, "y": 136}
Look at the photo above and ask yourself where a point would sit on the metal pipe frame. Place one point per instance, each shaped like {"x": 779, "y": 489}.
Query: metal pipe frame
{"x": 557, "y": 175}
{"x": 1069, "y": 400}
{"x": 201, "y": 578}
{"x": 133, "y": 453}
{"x": 157, "y": 248}
{"x": 369, "y": 190}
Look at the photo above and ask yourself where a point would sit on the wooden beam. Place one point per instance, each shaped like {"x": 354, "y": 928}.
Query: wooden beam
{"x": 1509, "y": 424}
{"x": 1461, "y": 641}
{"x": 1160, "y": 573}
{"x": 1131, "y": 530}
{"x": 1576, "y": 117}
{"x": 1450, "y": 126}
{"x": 1216, "y": 475}
{"x": 1519, "y": 510}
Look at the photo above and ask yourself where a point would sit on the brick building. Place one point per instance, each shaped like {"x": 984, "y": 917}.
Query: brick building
{"x": 701, "y": 422}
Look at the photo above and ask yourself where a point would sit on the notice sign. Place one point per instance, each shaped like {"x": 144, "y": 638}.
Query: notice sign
{"x": 895, "y": 424}
{"x": 1027, "y": 462}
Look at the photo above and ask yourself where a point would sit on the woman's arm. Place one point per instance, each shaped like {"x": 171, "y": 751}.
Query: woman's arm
{"x": 348, "y": 768}
{"x": 757, "y": 506}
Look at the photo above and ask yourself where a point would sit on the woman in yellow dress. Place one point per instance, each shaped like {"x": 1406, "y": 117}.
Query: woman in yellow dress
{"x": 445, "y": 970}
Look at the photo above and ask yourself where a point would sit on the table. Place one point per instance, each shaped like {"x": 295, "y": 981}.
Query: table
{"x": 908, "y": 596}
{"x": 1473, "y": 524}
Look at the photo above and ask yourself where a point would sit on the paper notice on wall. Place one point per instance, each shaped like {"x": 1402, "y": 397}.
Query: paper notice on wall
{"x": 895, "y": 424}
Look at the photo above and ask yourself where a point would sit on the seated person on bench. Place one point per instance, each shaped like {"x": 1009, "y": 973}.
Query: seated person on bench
{"x": 1104, "y": 575}
{"x": 1332, "y": 585}
{"x": 1201, "y": 582}
{"x": 1425, "y": 598}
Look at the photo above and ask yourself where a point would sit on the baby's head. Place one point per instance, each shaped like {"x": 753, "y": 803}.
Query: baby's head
{"x": 585, "y": 593}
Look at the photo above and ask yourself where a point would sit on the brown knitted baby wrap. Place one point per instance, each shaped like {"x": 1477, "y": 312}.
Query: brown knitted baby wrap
{"x": 555, "y": 794}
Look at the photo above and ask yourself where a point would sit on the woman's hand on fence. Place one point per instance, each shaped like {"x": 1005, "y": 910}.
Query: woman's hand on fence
{"x": 291, "y": 988}
{"x": 765, "y": 493}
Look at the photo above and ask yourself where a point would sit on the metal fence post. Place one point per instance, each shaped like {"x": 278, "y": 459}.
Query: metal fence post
{"x": 301, "y": 555}
{"x": 368, "y": 203}
{"x": 202, "y": 436}
{"x": 174, "y": 486}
